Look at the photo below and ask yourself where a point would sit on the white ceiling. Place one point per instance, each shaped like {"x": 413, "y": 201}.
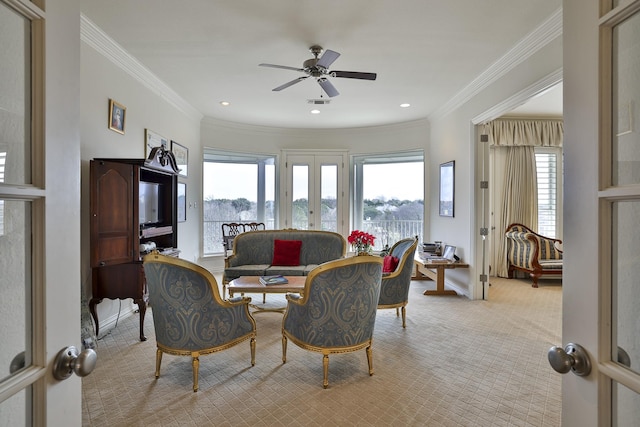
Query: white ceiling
{"x": 425, "y": 52}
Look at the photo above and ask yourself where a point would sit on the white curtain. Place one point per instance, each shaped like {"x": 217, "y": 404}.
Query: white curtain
{"x": 513, "y": 145}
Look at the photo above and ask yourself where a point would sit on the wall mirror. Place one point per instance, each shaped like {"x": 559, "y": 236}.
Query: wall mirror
{"x": 446, "y": 188}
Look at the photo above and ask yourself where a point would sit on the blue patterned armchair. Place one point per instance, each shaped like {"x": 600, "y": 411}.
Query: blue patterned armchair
{"x": 336, "y": 312}
{"x": 394, "y": 290}
{"x": 190, "y": 318}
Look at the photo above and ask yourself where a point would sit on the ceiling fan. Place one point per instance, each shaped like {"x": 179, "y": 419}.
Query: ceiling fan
{"x": 319, "y": 69}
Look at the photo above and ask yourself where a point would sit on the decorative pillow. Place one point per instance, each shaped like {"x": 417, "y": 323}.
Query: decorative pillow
{"x": 390, "y": 264}
{"x": 286, "y": 252}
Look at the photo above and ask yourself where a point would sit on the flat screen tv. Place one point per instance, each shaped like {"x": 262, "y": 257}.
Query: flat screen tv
{"x": 149, "y": 202}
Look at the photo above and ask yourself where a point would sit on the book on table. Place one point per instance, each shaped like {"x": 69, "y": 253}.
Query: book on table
{"x": 273, "y": 280}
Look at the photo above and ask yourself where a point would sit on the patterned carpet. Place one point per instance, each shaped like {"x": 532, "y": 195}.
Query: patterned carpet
{"x": 458, "y": 363}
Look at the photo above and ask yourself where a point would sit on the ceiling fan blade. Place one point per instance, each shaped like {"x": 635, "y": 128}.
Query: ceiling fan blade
{"x": 328, "y": 87}
{"x": 327, "y": 58}
{"x": 284, "y": 67}
{"x": 291, "y": 83}
{"x": 354, "y": 75}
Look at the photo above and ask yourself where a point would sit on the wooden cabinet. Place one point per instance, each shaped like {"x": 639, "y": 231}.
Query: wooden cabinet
{"x": 133, "y": 208}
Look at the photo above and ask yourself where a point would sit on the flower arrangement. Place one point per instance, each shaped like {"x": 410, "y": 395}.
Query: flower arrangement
{"x": 361, "y": 242}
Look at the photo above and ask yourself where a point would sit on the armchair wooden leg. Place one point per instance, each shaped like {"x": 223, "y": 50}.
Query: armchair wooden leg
{"x": 284, "y": 349}
{"x": 264, "y": 298}
{"x": 325, "y": 370}
{"x": 404, "y": 317}
{"x": 252, "y": 344}
{"x": 370, "y": 359}
{"x": 397, "y": 312}
{"x": 196, "y": 367}
{"x": 158, "y": 362}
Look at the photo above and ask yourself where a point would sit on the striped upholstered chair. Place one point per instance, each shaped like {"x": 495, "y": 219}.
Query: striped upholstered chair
{"x": 337, "y": 310}
{"x": 190, "y": 318}
{"x": 532, "y": 253}
{"x": 394, "y": 290}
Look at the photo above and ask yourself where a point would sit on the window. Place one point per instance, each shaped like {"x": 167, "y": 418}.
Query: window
{"x": 236, "y": 188}
{"x": 388, "y": 196}
{"x": 549, "y": 185}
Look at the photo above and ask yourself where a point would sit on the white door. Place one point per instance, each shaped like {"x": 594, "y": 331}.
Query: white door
{"x": 39, "y": 211}
{"x": 601, "y": 292}
{"x": 314, "y": 195}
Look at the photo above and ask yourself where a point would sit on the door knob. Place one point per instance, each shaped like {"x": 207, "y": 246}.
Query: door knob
{"x": 69, "y": 360}
{"x": 572, "y": 358}
{"x": 17, "y": 362}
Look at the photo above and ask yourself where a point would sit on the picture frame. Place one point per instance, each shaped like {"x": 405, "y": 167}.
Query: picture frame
{"x": 152, "y": 140}
{"x": 117, "y": 113}
{"x": 181, "y": 154}
{"x": 182, "y": 202}
{"x": 447, "y": 189}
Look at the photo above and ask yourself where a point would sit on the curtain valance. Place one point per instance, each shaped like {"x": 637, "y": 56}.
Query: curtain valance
{"x": 513, "y": 132}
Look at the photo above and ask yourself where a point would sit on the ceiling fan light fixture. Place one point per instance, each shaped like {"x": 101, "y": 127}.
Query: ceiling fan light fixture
{"x": 315, "y": 111}
{"x": 225, "y": 103}
{"x": 405, "y": 105}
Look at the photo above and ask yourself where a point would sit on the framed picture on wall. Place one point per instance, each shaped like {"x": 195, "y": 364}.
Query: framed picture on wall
{"x": 447, "y": 186}
{"x": 152, "y": 140}
{"x": 182, "y": 202}
{"x": 116, "y": 116}
{"x": 181, "y": 153}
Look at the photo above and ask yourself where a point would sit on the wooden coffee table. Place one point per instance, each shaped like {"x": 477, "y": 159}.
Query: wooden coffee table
{"x": 251, "y": 284}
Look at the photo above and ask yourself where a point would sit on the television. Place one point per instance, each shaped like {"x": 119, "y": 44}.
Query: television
{"x": 149, "y": 202}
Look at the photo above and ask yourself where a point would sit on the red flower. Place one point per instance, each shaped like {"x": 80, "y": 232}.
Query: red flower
{"x": 361, "y": 241}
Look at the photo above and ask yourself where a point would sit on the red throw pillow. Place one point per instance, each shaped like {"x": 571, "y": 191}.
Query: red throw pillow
{"x": 286, "y": 252}
{"x": 390, "y": 264}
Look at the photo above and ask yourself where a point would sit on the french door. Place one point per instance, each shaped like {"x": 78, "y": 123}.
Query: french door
{"x": 314, "y": 193}
{"x": 39, "y": 210}
{"x": 601, "y": 292}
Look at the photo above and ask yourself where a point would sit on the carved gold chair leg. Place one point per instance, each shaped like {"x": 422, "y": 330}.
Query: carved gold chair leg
{"x": 196, "y": 367}
{"x": 397, "y": 312}
{"x": 158, "y": 362}
{"x": 284, "y": 349}
{"x": 325, "y": 370}
{"x": 404, "y": 317}
{"x": 370, "y": 359}
{"x": 252, "y": 344}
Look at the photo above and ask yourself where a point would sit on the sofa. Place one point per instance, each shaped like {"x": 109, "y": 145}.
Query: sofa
{"x": 532, "y": 253}
{"x": 288, "y": 252}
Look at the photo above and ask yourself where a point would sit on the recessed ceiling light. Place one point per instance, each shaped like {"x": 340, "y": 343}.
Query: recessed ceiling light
{"x": 405, "y": 105}
{"x": 225, "y": 103}
{"x": 315, "y": 111}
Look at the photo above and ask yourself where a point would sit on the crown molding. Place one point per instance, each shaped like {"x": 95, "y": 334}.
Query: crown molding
{"x": 538, "y": 88}
{"x": 93, "y": 36}
{"x": 544, "y": 34}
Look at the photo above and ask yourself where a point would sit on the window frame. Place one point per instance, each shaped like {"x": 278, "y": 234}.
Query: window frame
{"x": 558, "y": 153}
{"x": 357, "y": 162}
{"x": 211, "y": 155}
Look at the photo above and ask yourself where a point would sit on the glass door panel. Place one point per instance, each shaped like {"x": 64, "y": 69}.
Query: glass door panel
{"x": 626, "y": 102}
{"x": 300, "y": 195}
{"x": 329, "y": 197}
{"x": 625, "y": 343}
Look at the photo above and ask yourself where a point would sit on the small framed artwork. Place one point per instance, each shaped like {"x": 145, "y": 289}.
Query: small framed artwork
{"x": 152, "y": 140}
{"x": 181, "y": 153}
{"x": 116, "y": 116}
{"x": 182, "y": 202}
{"x": 447, "y": 186}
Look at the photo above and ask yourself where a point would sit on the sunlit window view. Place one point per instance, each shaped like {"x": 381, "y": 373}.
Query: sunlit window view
{"x": 236, "y": 188}
{"x": 547, "y": 176}
{"x": 382, "y": 206}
